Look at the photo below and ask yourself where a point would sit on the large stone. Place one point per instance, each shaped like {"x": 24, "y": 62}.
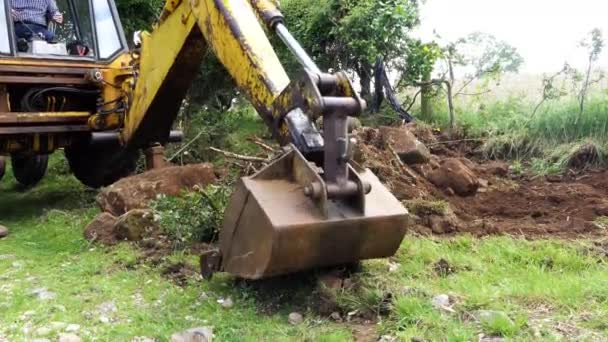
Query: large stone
{"x": 455, "y": 175}
{"x": 295, "y": 318}
{"x": 3, "y": 232}
{"x": 408, "y": 147}
{"x": 135, "y": 225}
{"x": 68, "y": 338}
{"x": 138, "y": 191}
{"x": 204, "y": 334}
{"x": 101, "y": 229}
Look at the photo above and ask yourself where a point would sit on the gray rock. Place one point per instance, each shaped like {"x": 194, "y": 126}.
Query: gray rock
{"x": 3, "y": 232}
{"x": 441, "y": 301}
{"x": 43, "y": 331}
{"x": 56, "y": 326}
{"x": 406, "y": 145}
{"x": 295, "y": 318}
{"x": 72, "y": 328}
{"x": 226, "y": 303}
{"x": 143, "y": 339}
{"x": 40, "y": 340}
{"x": 489, "y": 317}
{"x": 134, "y": 225}
{"x": 68, "y": 338}
{"x": 484, "y": 338}
{"x": 43, "y": 294}
{"x": 202, "y": 334}
{"x": 27, "y": 315}
{"x": 107, "y": 308}
{"x": 335, "y": 316}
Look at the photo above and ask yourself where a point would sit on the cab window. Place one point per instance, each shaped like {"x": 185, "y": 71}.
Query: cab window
{"x": 108, "y": 38}
{"x": 5, "y": 46}
{"x": 77, "y": 28}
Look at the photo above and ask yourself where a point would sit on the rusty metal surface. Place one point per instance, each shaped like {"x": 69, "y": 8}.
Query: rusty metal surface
{"x": 43, "y": 80}
{"x": 21, "y": 69}
{"x": 155, "y": 157}
{"x": 43, "y": 129}
{"x": 4, "y": 99}
{"x": 16, "y": 118}
{"x": 273, "y": 228}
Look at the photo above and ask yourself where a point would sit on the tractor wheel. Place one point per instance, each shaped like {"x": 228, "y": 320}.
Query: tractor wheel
{"x": 99, "y": 166}
{"x": 29, "y": 170}
{"x": 2, "y": 167}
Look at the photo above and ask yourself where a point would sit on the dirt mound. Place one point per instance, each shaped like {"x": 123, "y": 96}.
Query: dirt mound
{"x": 454, "y": 175}
{"x": 137, "y": 191}
{"x": 485, "y": 198}
{"x": 101, "y": 229}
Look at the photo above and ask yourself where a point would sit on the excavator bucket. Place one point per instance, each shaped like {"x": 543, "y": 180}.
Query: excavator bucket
{"x": 275, "y": 224}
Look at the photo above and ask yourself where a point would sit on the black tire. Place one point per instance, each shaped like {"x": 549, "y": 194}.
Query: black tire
{"x": 2, "y": 167}
{"x": 99, "y": 166}
{"x": 29, "y": 170}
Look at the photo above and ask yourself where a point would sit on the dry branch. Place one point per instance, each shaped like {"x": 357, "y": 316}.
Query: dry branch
{"x": 240, "y": 156}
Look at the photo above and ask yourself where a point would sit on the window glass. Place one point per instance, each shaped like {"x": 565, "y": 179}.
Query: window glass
{"x": 77, "y": 27}
{"x": 107, "y": 33}
{"x": 5, "y": 46}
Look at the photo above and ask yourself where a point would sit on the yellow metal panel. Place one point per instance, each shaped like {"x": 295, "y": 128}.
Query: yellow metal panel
{"x": 239, "y": 41}
{"x": 158, "y": 53}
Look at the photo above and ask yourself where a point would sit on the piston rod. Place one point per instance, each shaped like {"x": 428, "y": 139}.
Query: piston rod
{"x": 295, "y": 47}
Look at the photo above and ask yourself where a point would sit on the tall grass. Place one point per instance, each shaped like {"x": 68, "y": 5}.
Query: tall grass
{"x": 555, "y": 133}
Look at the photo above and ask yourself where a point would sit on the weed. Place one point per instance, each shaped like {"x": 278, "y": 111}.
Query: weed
{"x": 601, "y": 222}
{"x": 194, "y": 216}
{"x": 421, "y": 207}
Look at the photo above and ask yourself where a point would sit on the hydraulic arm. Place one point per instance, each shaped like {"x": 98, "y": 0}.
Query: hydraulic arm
{"x": 309, "y": 208}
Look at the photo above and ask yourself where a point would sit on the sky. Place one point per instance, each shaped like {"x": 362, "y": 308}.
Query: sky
{"x": 545, "y": 32}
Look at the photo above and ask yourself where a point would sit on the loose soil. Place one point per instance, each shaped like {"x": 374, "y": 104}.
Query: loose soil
{"x": 528, "y": 205}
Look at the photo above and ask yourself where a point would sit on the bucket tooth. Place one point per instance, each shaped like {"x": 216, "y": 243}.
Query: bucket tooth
{"x": 272, "y": 227}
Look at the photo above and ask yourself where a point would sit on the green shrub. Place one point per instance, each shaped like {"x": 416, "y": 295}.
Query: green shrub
{"x": 192, "y": 217}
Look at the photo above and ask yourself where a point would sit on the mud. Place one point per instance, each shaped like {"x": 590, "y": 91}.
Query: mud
{"x": 529, "y": 206}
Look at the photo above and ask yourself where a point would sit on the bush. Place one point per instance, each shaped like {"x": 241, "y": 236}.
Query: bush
{"x": 194, "y": 216}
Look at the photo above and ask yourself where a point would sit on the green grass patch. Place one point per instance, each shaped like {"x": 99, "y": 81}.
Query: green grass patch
{"x": 420, "y": 207}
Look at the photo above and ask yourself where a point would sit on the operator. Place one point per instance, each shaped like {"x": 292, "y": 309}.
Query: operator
{"x": 31, "y": 17}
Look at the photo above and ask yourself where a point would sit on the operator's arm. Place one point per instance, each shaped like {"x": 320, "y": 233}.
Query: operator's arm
{"x": 53, "y": 12}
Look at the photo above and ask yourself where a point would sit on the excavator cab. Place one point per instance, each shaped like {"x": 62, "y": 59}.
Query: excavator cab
{"x": 91, "y": 30}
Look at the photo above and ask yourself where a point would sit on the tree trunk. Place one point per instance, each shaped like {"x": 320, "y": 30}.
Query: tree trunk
{"x": 378, "y": 85}
{"x": 451, "y": 107}
{"x": 583, "y": 94}
{"x": 365, "y": 79}
{"x": 426, "y": 98}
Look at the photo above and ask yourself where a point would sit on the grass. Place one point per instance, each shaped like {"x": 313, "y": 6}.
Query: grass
{"x": 548, "y": 140}
{"x": 535, "y": 288}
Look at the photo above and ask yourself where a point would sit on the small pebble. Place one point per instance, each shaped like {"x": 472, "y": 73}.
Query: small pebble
{"x": 68, "y": 338}
{"x": 71, "y": 328}
{"x": 296, "y": 318}
{"x": 3, "y": 232}
{"x": 226, "y": 303}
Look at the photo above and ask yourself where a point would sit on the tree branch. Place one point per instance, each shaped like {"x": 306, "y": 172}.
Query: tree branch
{"x": 239, "y": 156}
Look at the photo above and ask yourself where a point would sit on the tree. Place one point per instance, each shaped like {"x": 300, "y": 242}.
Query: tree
{"x": 594, "y": 44}
{"x": 550, "y": 90}
{"x": 478, "y": 56}
{"x": 351, "y": 34}
{"x": 138, "y": 14}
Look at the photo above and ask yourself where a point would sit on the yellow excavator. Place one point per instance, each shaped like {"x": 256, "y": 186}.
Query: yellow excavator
{"x": 102, "y": 102}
